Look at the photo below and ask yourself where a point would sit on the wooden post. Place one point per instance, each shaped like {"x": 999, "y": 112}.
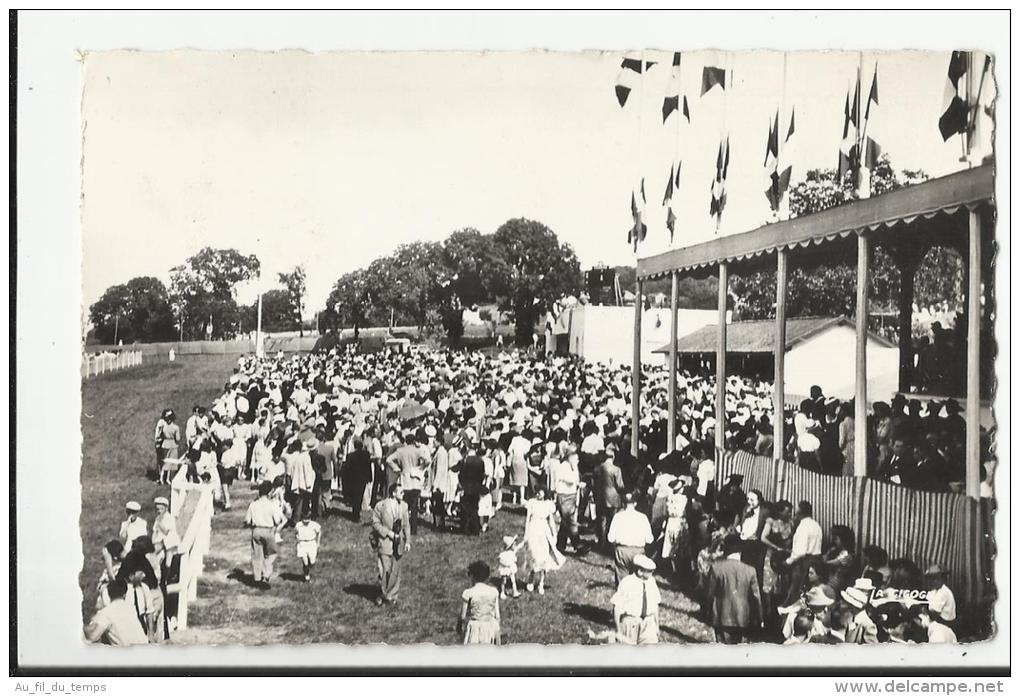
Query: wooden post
{"x": 635, "y": 391}
{"x": 861, "y": 390}
{"x": 779, "y": 356}
{"x": 720, "y": 363}
{"x": 674, "y": 298}
{"x": 906, "y": 262}
{"x": 973, "y": 459}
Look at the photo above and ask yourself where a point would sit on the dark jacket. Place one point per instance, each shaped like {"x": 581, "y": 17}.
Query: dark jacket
{"x": 734, "y": 595}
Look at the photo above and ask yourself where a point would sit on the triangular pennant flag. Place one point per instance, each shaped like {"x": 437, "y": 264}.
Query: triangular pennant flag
{"x": 686, "y": 111}
{"x": 630, "y": 69}
{"x": 712, "y": 76}
{"x": 676, "y": 179}
{"x": 671, "y": 102}
{"x": 669, "y": 187}
{"x": 872, "y": 95}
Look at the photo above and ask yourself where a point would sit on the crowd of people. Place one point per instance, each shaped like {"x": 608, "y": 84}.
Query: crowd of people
{"x": 451, "y": 438}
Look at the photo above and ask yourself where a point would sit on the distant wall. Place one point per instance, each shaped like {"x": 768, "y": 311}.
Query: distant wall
{"x": 234, "y": 347}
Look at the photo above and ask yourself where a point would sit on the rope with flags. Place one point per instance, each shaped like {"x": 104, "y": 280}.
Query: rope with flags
{"x": 855, "y": 139}
{"x": 777, "y": 181}
{"x": 639, "y": 230}
{"x": 671, "y": 103}
{"x": 722, "y": 165}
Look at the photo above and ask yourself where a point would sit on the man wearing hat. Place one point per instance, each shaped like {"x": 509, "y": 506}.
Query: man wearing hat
{"x": 862, "y": 628}
{"x": 733, "y": 595}
{"x": 265, "y": 517}
{"x": 164, "y": 533}
{"x": 818, "y": 600}
{"x": 629, "y": 533}
{"x": 636, "y": 605}
{"x": 133, "y": 527}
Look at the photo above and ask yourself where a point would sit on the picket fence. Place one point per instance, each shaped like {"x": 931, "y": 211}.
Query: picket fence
{"x": 192, "y": 505}
{"x": 98, "y": 363}
{"x": 950, "y": 529}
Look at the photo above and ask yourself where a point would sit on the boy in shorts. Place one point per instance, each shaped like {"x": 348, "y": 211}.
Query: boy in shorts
{"x": 309, "y": 534}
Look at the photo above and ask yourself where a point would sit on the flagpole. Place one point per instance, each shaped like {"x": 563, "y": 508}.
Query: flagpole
{"x": 863, "y": 173}
{"x": 676, "y": 150}
{"x": 259, "y": 348}
{"x": 784, "y": 202}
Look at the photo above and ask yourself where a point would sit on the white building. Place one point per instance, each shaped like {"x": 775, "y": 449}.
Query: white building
{"x": 606, "y": 334}
{"x": 819, "y": 351}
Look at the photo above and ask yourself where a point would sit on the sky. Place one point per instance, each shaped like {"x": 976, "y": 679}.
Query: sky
{"x": 332, "y": 159}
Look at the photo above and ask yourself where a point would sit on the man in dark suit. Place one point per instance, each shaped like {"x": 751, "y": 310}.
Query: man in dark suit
{"x": 733, "y": 595}
{"x": 472, "y": 478}
{"x": 900, "y": 468}
{"x": 390, "y": 539}
{"x": 609, "y": 489}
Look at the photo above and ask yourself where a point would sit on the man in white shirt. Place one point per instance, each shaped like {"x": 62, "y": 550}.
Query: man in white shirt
{"x": 133, "y": 527}
{"x": 116, "y": 623}
{"x": 807, "y": 547}
{"x": 565, "y": 480}
{"x": 636, "y": 605}
{"x": 941, "y": 600}
{"x": 629, "y": 533}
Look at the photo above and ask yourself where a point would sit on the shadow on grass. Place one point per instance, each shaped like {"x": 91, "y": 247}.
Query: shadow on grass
{"x": 245, "y": 578}
{"x": 597, "y": 615}
{"x": 367, "y": 592}
{"x": 683, "y": 637}
{"x": 292, "y": 577}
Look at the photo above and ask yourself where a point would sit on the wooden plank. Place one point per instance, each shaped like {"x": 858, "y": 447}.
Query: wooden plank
{"x": 779, "y": 357}
{"x": 635, "y": 392}
{"x": 861, "y": 372}
{"x": 720, "y": 362}
{"x": 962, "y": 188}
{"x": 674, "y": 298}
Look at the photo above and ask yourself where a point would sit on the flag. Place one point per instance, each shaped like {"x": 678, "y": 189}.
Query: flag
{"x": 955, "y": 116}
{"x": 722, "y": 165}
{"x": 712, "y": 76}
{"x": 639, "y": 230}
{"x": 630, "y": 71}
{"x": 872, "y": 150}
{"x": 671, "y": 102}
{"x": 667, "y": 201}
{"x": 777, "y": 178}
{"x": 848, "y": 152}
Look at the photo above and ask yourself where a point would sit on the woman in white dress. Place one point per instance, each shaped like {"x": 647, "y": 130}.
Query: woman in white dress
{"x": 540, "y": 537}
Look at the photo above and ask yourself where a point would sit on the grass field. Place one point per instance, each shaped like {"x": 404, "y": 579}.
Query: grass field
{"x": 120, "y": 411}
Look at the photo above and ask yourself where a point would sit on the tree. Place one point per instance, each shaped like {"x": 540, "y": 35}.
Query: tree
{"x": 203, "y": 292}
{"x": 826, "y": 289}
{"x": 277, "y": 311}
{"x": 348, "y": 303}
{"x": 137, "y": 311}
{"x": 294, "y": 282}
{"x": 477, "y": 264}
{"x": 540, "y": 270}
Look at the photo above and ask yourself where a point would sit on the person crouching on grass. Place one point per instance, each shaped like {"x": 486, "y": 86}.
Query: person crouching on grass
{"x": 636, "y": 605}
{"x": 309, "y": 536}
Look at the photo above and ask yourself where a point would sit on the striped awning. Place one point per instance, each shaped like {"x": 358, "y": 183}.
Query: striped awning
{"x": 968, "y": 189}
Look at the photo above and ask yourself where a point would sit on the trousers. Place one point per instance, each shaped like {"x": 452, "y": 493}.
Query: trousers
{"x": 389, "y": 576}
{"x": 411, "y": 497}
{"x": 566, "y": 503}
{"x": 263, "y": 552}
{"x": 637, "y": 631}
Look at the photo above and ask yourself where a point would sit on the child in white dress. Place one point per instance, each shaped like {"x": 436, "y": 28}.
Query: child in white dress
{"x": 508, "y": 567}
{"x": 309, "y": 534}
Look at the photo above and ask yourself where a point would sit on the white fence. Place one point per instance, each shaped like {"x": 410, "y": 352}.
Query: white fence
{"x": 192, "y": 504}
{"x": 98, "y": 363}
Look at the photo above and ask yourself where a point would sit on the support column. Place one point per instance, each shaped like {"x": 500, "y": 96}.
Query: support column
{"x": 635, "y": 391}
{"x": 720, "y": 362}
{"x": 861, "y": 389}
{"x": 779, "y": 356}
{"x": 674, "y": 298}
{"x": 907, "y": 263}
{"x": 973, "y": 411}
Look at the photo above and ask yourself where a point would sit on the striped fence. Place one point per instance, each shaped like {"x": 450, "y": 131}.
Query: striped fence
{"x": 192, "y": 505}
{"x": 945, "y": 528}
{"x": 98, "y": 363}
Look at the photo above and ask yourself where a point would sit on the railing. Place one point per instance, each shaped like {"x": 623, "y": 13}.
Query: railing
{"x": 98, "y": 363}
{"x": 192, "y": 505}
